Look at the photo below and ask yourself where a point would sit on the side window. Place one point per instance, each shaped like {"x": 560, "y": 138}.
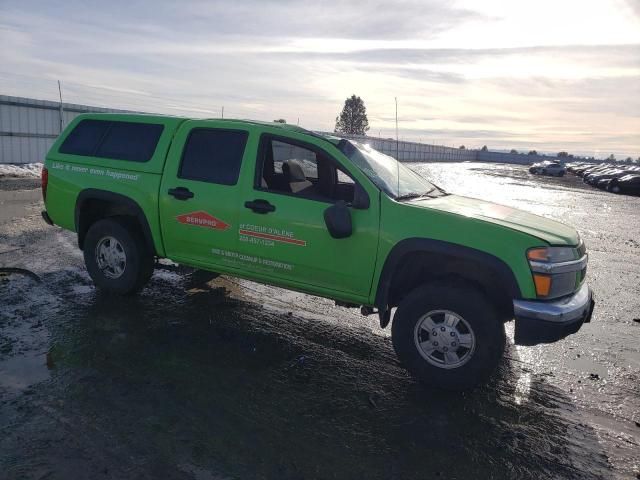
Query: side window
{"x": 344, "y": 178}
{"x": 289, "y": 153}
{"x": 302, "y": 171}
{"x": 135, "y": 142}
{"x": 131, "y": 141}
{"x": 213, "y": 155}
{"x": 84, "y": 139}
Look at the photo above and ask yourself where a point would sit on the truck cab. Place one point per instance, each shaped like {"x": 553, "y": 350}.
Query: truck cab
{"x": 322, "y": 215}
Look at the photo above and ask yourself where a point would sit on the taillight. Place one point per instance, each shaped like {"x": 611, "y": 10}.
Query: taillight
{"x": 45, "y": 182}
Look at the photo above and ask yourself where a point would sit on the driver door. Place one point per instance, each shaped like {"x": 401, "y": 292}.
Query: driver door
{"x": 282, "y": 231}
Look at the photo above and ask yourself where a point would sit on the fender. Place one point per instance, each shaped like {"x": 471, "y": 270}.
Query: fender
{"x": 423, "y": 245}
{"x": 127, "y": 204}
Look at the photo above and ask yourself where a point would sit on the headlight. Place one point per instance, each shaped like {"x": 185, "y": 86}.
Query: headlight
{"x": 557, "y": 271}
{"x": 552, "y": 254}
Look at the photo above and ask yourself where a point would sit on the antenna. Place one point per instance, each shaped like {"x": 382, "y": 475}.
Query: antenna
{"x": 61, "y": 111}
{"x": 397, "y": 146}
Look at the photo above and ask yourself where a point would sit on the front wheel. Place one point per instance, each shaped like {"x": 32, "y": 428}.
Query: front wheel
{"x": 448, "y": 336}
{"x": 117, "y": 257}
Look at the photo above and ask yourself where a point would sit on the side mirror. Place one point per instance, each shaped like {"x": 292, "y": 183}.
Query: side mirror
{"x": 360, "y": 198}
{"x": 338, "y": 220}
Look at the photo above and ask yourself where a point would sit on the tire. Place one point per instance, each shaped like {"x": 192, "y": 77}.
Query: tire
{"x": 474, "y": 315}
{"x": 117, "y": 257}
{"x": 615, "y": 189}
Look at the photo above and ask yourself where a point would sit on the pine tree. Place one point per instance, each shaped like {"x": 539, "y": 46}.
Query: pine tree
{"x": 353, "y": 118}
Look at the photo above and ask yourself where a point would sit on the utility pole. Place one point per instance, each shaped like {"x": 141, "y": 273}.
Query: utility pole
{"x": 61, "y": 111}
{"x": 397, "y": 146}
{"x": 223, "y": 111}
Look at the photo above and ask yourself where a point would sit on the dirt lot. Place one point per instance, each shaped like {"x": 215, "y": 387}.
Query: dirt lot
{"x": 235, "y": 380}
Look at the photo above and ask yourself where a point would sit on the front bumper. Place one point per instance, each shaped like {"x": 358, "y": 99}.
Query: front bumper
{"x": 546, "y": 322}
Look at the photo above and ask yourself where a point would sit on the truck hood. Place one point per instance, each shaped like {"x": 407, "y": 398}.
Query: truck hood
{"x": 552, "y": 232}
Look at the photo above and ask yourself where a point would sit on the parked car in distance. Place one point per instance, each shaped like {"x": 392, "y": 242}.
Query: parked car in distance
{"x": 597, "y": 174}
{"x": 629, "y": 184}
{"x": 575, "y": 167}
{"x": 586, "y": 169}
{"x": 598, "y": 179}
{"x": 548, "y": 167}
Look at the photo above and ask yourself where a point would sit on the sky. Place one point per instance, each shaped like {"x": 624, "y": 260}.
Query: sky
{"x": 548, "y": 75}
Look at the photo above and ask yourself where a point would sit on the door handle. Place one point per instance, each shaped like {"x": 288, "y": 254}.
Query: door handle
{"x": 260, "y": 206}
{"x": 181, "y": 193}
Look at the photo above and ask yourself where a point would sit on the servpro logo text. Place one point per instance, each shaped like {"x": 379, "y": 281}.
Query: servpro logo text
{"x": 202, "y": 219}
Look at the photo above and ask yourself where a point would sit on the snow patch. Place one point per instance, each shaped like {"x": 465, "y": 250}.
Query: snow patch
{"x": 170, "y": 277}
{"x": 20, "y": 170}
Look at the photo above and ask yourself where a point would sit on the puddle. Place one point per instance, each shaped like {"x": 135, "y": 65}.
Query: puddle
{"x": 13, "y": 203}
{"x": 20, "y": 372}
{"x": 587, "y": 366}
{"x": 24, "y": 336}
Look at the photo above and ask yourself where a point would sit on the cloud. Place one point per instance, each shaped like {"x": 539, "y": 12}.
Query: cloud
{"x": 463, "y": 72}
{"x": 376, "y": 19}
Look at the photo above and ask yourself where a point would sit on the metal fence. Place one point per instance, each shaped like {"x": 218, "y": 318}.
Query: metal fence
{"x": 414, "y": 151}
{"x": 28, "y": 128}
{"x": 519, "y": 158}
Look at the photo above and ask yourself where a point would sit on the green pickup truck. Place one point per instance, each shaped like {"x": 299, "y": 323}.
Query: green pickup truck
{"x": 327, "y": 216}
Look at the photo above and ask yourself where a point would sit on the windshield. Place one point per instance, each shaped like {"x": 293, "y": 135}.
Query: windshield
{"x": 383, "y": 170}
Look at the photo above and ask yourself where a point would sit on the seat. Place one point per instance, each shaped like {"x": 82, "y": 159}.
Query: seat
{"x": 295, "y": 176}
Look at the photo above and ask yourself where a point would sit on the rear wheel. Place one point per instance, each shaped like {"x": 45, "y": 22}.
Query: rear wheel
{"x": 117, "y": 257}
{"x": 615, "y": 189}
{"x": 448, "y": 336}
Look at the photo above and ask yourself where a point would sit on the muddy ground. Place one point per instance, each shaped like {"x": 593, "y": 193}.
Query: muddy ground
{"x": 231, "y": 379}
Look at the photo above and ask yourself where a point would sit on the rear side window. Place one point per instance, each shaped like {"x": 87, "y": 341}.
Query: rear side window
{"x": 85, "y": 138}
{"x": 134, "y": 142}
{"x": 213, "y": 155}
